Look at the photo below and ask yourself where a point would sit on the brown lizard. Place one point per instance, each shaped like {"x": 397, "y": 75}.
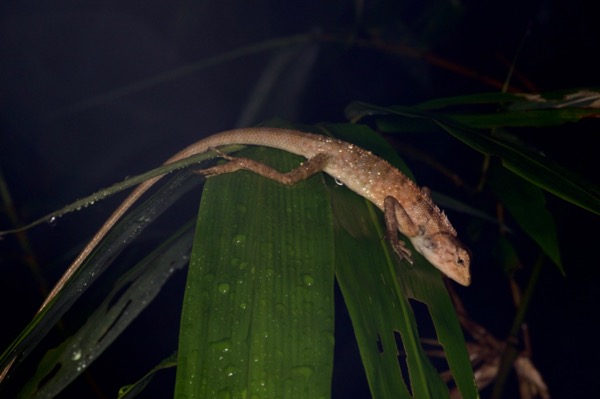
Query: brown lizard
{"x": 407, "y": 208}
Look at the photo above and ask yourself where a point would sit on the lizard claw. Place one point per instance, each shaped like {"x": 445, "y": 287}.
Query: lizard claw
{"x": 400, "y": 249}
{"x": 228, "y": 167}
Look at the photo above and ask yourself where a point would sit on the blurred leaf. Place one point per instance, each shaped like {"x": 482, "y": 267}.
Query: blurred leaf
{"x": 521, "y": 110}
{"x": 518, "y": 110}
{"x": 132, "y": 293}
{"x": 160, "y": 171}
{"x": 507, "y": 255}
{"x": 493, "y": 98}
{"x": 447, "y": 202}
{"x": 258, "y": 309}
{"x": 122, "y": 235}
{"x": 534, "y": 168}
{"x": 526, "y": 163}
{"x": 563, "y": 99}
{"x": 180, "y": 72}
{"x": 527, "y": 204}
{"x": 131, "y": 391}
{"x": 528, "y": 118}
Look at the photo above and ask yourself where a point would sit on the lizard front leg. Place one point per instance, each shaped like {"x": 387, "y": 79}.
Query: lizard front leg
{"x": 396, "y": 219}
{"x": 302, "y": 172}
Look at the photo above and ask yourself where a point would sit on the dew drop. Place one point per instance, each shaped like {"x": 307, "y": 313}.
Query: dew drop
{"x": 124, "y": 389}
{"x": 230, "y": 370}
{"x": 239, "y": 239}
{"x": 223, "y": 288}
{"x": 76, "y": 355}
{"x": 223, "y": 345}
{"x": 308, "y": 280}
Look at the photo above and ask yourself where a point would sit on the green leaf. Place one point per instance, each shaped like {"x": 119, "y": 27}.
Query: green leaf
{"x": 527, "y": 204}
{"x": 367, "y": 278}
{"x": 534, "y": 168}
{"x": 518, "y": 110}
{"x": 377, "y": 289}
{"x": 581, "y": 99}
{"x": 506, "y": 255}
{"x": 493, "y": 98}
{"x": 120, "y": 236}
{"x": 118, "y": 187}
{"x": 132, "y": 390}
{"x": 523, "y": 118}
{"x": 258, "y": 311}
{"x": 526, "y": 163}
{"x": 254, "y": 326}
{"x": 132, "y": 293}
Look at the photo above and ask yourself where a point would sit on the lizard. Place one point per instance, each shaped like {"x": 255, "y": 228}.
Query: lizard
{"x": 407, "y": 208}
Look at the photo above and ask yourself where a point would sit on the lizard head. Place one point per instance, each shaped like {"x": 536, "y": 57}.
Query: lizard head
{"x": 446, "y": 253}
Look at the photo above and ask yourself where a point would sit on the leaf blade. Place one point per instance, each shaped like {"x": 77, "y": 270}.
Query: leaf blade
{"x": 526, "y": 203}
{"x": 529, "y": 165}
{"x": 258, "y": 312}
{"x": 377, "y": 290}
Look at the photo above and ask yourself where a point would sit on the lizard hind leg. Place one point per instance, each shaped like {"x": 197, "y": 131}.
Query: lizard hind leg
{"x": 308, "y": 168}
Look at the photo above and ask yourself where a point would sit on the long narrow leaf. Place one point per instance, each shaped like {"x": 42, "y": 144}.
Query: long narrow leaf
{"x": 123, "y": 234}
{"x": 531, "y": 166}
{"x": 534, "y": 168}
{"x": 258, "y": 310}
{"x": 527, "y": 205}
{"x": 63, "y": 364}
{"x": 132, "y": 390}
{"x": 577, "y": 100}
{"x": 377, "y": 309}
{"x": 376, "y": 290}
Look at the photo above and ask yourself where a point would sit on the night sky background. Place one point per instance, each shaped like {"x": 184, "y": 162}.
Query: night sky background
{"x": 74, "y": 118}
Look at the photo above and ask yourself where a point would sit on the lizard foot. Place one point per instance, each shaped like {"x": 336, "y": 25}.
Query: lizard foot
{"x": 233, "y": 165}
{"x": 400, "y": 249}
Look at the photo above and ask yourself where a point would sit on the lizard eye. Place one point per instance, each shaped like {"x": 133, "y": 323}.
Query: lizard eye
{"x": 462, "y": 258}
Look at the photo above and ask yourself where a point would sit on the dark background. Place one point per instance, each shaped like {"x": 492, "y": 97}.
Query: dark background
{"x": 69, "y": 125}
